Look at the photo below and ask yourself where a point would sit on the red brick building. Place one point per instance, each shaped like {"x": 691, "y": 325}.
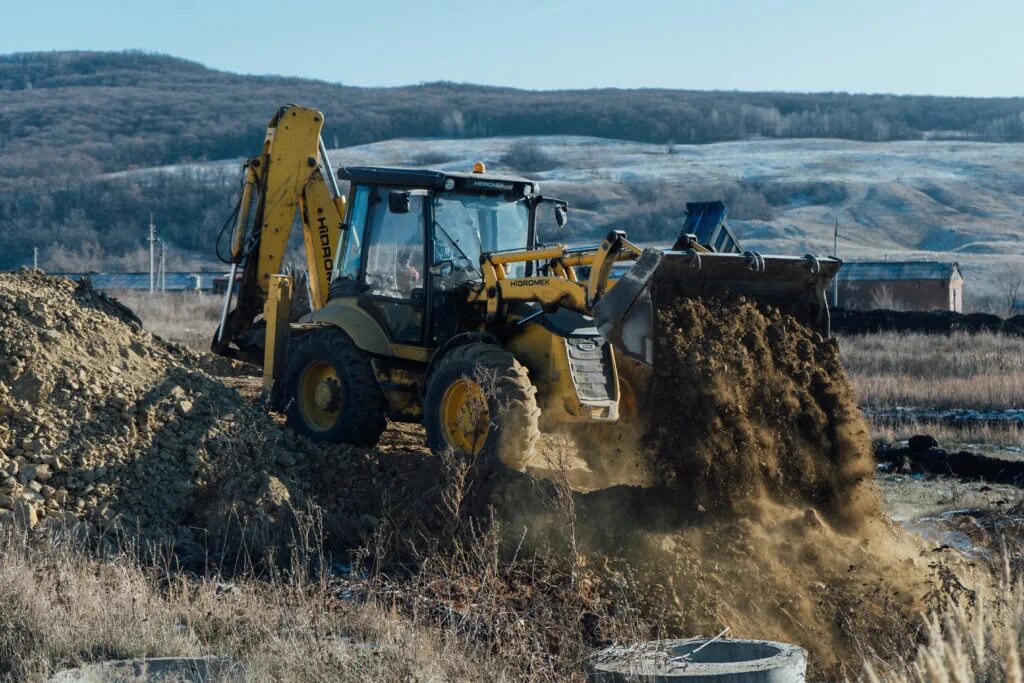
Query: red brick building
{"x": 901, "y": 285}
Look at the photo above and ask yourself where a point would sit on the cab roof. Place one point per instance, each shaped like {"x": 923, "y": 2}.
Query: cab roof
{"x": 432, "y": 179}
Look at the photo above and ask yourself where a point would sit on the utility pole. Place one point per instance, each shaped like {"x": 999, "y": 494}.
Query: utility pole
{"x": 152, "y": 255}
{"x": 35, "y": 258}
{"x": 835, "y": 253}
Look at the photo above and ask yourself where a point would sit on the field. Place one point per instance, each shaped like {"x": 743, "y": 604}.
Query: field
{"x": 404, "y": 585}
{"x": 188, "y": 319}
{"x": 908, "y": 383}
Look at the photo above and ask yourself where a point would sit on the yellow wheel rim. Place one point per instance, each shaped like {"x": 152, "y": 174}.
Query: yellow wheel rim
{"x": 320, "y": 396}
{"x": 465, "y": 419}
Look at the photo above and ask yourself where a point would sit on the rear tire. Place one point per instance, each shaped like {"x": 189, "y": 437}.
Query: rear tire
{"x": 480, "y": 402}
{"x": 331, "y": 392}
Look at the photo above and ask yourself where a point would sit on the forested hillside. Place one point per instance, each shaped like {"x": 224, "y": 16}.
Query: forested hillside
{"x": 66, "y": 118}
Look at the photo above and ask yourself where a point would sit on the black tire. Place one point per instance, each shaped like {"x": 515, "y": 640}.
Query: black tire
{"x": 511, "y": 403}
{"x": 354, "y": 407}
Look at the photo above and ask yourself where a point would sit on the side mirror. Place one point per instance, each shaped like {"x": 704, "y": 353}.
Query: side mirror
{"x": 442, "y": 268}
{"x": 561, "y": 216}
{"x": 399, "y": 202}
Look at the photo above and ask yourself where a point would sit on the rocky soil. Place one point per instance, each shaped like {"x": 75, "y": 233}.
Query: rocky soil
{"x": 104, "y": 424}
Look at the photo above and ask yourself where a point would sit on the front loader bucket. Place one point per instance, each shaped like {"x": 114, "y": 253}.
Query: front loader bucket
{"x": 625, "y": 315}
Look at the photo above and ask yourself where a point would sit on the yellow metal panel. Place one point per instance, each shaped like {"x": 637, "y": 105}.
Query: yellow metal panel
{"x": 321, "y": 232}
{"x": 549, "y": 291}
{"x": 275, "y": 313}
{"x": 544, "y": 355}
{"x": 364, "y": 330}
{"x": 415, "y": 353}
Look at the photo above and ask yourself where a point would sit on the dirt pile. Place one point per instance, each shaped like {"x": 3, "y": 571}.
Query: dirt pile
{"x": 749, "y": 404}
{"x": 102, "y": 422}
{"x": 765, "y": 519}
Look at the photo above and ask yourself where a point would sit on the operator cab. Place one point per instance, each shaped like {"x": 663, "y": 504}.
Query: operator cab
{"x": 411, "y": 244}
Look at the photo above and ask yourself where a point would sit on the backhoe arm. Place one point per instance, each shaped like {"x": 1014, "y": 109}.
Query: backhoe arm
{"x": 287, "y": 177}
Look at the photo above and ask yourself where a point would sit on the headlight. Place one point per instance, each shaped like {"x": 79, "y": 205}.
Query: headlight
{"x": 449, "y": 184}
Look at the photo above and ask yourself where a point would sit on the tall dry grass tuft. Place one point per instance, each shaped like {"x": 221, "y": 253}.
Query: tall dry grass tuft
{"x": 965, "y": 433}
{"x": 965, "y": 643}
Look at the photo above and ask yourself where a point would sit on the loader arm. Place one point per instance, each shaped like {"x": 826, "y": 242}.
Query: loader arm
{"x": 624, "y": 314}
{"x": 288, "y": 177}
{"x": 560, "y": 287}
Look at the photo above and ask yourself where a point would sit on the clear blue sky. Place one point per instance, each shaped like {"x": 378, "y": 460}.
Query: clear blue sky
{"x": 900, "y": 46}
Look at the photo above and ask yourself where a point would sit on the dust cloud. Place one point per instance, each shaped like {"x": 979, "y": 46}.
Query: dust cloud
{"x": 758, "y": 511}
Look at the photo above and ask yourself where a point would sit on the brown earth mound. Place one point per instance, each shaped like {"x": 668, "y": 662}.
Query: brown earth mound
{"x": 103, "y": 423}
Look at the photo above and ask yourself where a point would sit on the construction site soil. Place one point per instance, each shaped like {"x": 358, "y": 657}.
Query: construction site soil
{"x": 760, "y": 514}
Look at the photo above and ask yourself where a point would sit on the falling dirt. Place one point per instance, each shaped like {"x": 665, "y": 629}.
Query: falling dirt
{"x": 764, "y": 517}
{"x": 749, "y": 405}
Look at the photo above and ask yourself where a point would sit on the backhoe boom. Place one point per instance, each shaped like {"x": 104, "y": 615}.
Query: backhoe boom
{"x": 288, "y": 177}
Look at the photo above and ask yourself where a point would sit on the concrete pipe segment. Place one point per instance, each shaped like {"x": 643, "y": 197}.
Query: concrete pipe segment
{"x": 701, "y": 659}
{"x": 154, "y": 670}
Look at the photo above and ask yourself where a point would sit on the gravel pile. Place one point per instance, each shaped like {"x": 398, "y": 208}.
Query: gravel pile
{"x": 105, "y": 424}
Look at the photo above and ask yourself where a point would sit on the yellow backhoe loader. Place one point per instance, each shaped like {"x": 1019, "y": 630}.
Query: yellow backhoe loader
{"x": 432, "y": 300}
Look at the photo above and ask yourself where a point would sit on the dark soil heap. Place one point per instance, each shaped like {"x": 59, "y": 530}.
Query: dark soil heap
{"x": 749, "y": 404}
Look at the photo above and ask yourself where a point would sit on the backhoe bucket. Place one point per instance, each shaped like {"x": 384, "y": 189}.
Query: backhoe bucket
{"x": 625, "y": 315}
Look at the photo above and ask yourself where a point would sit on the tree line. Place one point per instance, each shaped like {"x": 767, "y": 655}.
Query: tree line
{"x": 69, "y": 118}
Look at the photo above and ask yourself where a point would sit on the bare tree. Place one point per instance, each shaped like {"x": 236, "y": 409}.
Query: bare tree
{"x": 1010, "y": 286}
{"x": 882, "y": 297}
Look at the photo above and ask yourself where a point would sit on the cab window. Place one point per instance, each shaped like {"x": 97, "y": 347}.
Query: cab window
{"x": 350, "y": 250}
{"x": 395, "y": 263}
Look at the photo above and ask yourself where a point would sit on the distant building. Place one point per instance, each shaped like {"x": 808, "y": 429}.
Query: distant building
{"x": 173, "y": 282}
{"x": 901, "y": 285}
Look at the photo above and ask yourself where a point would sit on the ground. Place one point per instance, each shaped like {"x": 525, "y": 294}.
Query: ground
{"x": 466, "y": 611}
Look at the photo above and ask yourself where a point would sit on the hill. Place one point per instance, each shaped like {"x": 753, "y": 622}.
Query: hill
{"x": 103, "y": 111}
{"x": 913, "y": 200}
{"x": 75, "y": 125}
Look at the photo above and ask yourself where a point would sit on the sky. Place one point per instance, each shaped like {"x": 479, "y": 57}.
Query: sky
{"x": 939, "y": 47}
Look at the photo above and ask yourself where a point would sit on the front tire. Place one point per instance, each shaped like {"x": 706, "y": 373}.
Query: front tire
{"x": 480, "y": 402}
{"x": 332, "y": 394}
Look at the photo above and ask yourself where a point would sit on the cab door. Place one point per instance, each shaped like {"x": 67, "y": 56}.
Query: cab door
{"x": 395, "y": 262}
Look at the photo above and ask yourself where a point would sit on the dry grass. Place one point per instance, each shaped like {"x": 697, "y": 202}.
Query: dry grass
{"x": 969, "y": 642}
{"x": 979, "y": 371}
{"x": 952, "y": 435}
{"x": 61, "y": 606}
{"x": 187, "y": 318}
